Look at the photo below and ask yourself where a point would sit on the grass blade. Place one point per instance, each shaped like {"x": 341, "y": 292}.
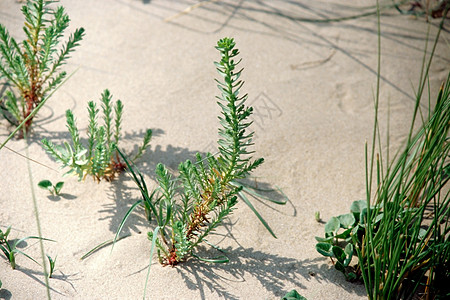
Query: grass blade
{"x": 155, "y": 236}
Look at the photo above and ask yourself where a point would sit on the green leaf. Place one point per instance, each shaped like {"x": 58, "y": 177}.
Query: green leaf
{"x": 324, "y": 240}
{"x": 344, "y": 235}
{"x": 260, "y": 218}
{"x": 155, "y": 236}
{"x": 293, "y": 295}
{"x": 332, "y": 226}
{"x": 51, "y": 264}
{"x": 347, "y": 220}
{"x": 339, "y": 253}
{"x": 45, "y": 184}
{"x": 222, "y": 259}
{"x": 58, "y": 187}
{"x": 358, "y": 206}
{"x": 348, "y": 250}
{"x": 324, "y": 249}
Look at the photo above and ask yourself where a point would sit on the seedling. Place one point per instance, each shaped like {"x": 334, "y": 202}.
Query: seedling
{"x": 293, "y": 295}
{"x": 51, "y": 263}
{"x": 338, "y": 231}
{"x": 99, "y": 158}
{"x": 33, "y": 66}
{"x": 317, "y": 216}
{"x": 53, "y": 189}
{"x": 188, "y": 208}
{"x": 9, "y": 248}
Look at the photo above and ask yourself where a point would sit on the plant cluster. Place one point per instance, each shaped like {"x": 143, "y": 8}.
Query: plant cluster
{"x": 9, "y": 248}
{"x": 32, "y": 67}
{"x": 190, "y": 207}
{"x": 99, "y": 158}
{"x": 401, "y": 237}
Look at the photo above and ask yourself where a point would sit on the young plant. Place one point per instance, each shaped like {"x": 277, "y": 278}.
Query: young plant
{"x": 53, "y": 189}
{"x": 293, "y": 295}
{"x": 338, "y": 243}
{"x": 9, "y": 248}
{"x": 33, "y": 66}
{"x": 51, "y": 263}
{"x": 188, "y": 208}
{"x": 99, "y": 158}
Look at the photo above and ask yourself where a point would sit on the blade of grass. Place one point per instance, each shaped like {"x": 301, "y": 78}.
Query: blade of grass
{"x": 155, "y": 236}
{"x": 261, "y": 219}
{"x": 102, "y": 245}
{"x": 36, "y": 214}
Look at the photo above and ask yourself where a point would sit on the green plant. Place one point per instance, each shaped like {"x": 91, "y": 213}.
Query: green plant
{"x": 51, "y": 263}
{"x": 188, "y": 208}
{"x": 338, "y": 242}
{"x": 32, "y": 67}
{"x": 9, "y": 248}
{"x": 207, "y": 188}
{"x": 100, "y": 158}
{"x": 409, "y": 218}
{"x": 293, "y": 295}
{"x": 48, "y": 185}
{"x": 401, "y": 237}
{"x": 401, "y": 232}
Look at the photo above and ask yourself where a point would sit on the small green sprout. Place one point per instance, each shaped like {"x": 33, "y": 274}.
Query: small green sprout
{"x": 317, "y": 216}
{"x": 51, "y": 262}
{"x": 55, "y": 190}
{"x": 293, "y": 295}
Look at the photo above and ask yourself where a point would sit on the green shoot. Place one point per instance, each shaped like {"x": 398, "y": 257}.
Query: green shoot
{"x": 189, "y": 207}
{"x": 293, "y": 295}
{"x": 99, "y": 157}
{"x": 55, "y": 190}
{"x": 32, "y": 67}
{"x": 51, "y": 263}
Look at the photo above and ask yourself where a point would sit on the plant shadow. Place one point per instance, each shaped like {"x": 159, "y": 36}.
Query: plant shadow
{"x": 5, "y": 294}
{"x": 36, "y": 275}
{"x": 301, "y": 23}
{"x": 275, "y": 273}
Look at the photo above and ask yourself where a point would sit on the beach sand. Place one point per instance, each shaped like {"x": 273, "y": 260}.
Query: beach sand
{"x": 312, "y": 86}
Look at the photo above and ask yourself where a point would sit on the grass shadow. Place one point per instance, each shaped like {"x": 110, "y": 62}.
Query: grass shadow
{"x": 275, "y": 273}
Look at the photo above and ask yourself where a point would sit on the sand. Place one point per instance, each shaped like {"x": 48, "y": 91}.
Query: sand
{"x": 311, "y": 85}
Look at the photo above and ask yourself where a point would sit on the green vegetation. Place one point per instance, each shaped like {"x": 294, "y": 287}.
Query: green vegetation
{"x": 9, "y": 248}
{"x": 32, "y": 67}
{"x": 99, "y": 158}
{"x": 48, "y": 185}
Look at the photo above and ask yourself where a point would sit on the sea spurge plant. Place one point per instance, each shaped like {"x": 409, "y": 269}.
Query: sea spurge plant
{"x": 99, "y": 158}
{"x": 33, "y": 66}
{"x": 188, "y": 208}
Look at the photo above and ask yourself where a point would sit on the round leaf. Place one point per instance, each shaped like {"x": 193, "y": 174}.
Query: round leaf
{"x": 332, "y": 226}
{"x": 347, "y": 220}
{"x": 324, "y": 249}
